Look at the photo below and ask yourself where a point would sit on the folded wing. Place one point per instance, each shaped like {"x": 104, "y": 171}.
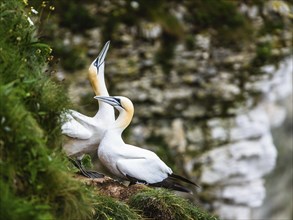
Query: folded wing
{"x": 147, "y": 170}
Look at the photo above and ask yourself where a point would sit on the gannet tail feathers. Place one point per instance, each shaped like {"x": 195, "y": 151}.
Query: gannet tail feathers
{"x": 174, "y": 176}
{"x": 168, "y": 183}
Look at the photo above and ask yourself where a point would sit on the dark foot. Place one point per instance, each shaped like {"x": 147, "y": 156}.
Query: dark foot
{"x": 87, "y": 173}
{"x": 131, "y": 183}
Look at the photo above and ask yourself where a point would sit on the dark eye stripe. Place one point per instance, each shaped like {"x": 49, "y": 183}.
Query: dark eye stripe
{"x": 118, "y": 100}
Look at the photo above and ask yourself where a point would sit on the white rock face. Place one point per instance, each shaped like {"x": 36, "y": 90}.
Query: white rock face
{"x": 232, "y": 212}
{"x": 240, "y": 162}
{"x": 251, "y": 193}
{"x": 236, "y": 170}
{"x": 253, "y": 124}
{"x": 277, "y": 82}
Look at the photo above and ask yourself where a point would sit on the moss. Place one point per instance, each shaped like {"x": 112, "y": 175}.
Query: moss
{"x": 263, "y": 54}
{"x": 166, "y": 53}
{"x": 211, "y": 13}
{"x": 87, "y": 161}
{"x": 26, "y": 209}
{"x": 159, "y": 12}
{"x": 163, "y": 204}
{"x": 74, "y": 16}
{"x": 108, "y": 208}
{"x": 222, "y": 16}
{"x": 73, "y": 56}
{"x": 273, "y": 23}
{"x": 206, "y": 132}
{"x": 29, "y": 168}
{"x": 155, "y": 11}
{"x": 190, "y": 42}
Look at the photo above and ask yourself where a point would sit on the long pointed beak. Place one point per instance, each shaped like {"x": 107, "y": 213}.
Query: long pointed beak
{"x": 101, "y": 58}
{"x": 108, "y": 99}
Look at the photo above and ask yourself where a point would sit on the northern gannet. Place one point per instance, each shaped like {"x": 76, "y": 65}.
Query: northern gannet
{"x": 130, "y": 162}
{"x": 86, "y": 132}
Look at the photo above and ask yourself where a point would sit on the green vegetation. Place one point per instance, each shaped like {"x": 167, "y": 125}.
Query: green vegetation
{"x": 108, "y": 208}
{"x": 35, "y": 181}
{"x": 34, "y": 178}
{"x": 232, "y": 28}
{"x": 263, "y": 53}
{"x": 74, "y": 57}
{"x": 221, "y": 18}
{"x": 162, "y": 204}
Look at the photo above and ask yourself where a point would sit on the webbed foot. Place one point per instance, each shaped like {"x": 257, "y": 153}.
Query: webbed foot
{"x": 87, "y": 173}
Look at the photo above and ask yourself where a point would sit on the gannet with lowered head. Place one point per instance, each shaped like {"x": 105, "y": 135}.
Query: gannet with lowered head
{"x": 86, "y": 132}
{"x": 130, "y": 162}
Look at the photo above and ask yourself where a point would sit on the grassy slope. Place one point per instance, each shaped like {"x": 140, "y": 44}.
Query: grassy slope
{"x": 34, "y": 177}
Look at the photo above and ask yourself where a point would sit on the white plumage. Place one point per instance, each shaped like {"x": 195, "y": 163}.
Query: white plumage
{"x": 86, "y": 132}
{"x": 131, "y": 162}
{"x": 125, "y": 160}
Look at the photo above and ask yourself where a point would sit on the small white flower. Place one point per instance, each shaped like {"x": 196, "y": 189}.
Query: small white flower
{"x": 34, "y": 11}
{"x": 30, "y": 21}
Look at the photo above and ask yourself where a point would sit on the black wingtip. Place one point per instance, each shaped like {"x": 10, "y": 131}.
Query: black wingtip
{"x": 175, "y": 176}
{"x": 169, "y": 184}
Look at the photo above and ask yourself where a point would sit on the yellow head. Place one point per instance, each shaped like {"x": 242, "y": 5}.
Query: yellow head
{"x": 96, "y": 71}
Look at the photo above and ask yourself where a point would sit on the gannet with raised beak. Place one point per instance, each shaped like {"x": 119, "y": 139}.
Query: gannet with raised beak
{"x": 130, "y": 162}
{"x": 86, "y": 132}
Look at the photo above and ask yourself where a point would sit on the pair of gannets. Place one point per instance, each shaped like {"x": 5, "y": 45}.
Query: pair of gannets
{"x": 126, "y": 161}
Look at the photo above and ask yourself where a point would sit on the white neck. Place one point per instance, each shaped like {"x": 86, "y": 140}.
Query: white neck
{"x": 106, "y": 112}
{"x": 123, "y": 120}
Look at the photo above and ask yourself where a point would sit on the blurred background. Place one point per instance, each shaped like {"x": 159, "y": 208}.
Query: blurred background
{"x": 210, "y": 81}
